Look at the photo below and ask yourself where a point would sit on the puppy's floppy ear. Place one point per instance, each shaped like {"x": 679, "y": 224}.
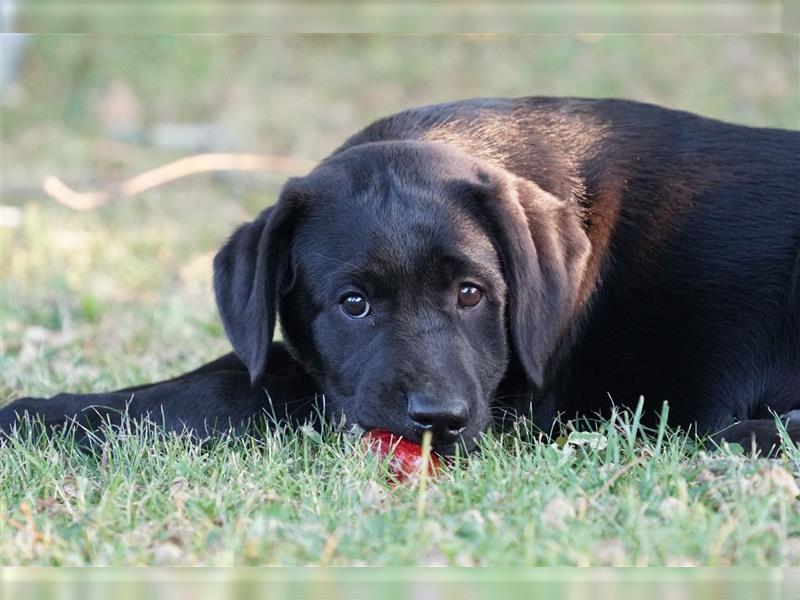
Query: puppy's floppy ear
{"x": 544, "y": 251}
{"x": 249, "y": 272}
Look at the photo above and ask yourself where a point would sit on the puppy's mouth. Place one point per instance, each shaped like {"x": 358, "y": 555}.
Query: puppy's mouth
{"x": 462, "y": 445}
{"x": 443, "y": 443}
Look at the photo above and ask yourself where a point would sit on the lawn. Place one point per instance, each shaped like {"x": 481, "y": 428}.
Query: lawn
{"x": 121, "y": 295}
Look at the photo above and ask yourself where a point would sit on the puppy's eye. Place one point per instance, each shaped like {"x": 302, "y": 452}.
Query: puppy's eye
{"x": 469, "y": 295}
{"x": 354, "y": 305}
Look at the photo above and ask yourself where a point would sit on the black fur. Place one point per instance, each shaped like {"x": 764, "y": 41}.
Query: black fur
{"x": 623, "y": 250}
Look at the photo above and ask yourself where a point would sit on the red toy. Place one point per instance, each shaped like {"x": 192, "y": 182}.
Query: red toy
{"x": 406, "y": 457}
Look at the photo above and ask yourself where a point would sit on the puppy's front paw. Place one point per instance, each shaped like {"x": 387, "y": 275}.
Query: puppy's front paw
{"x": 13, "y": 415}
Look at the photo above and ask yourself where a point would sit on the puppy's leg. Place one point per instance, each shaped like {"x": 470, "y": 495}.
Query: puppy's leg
{"x": 761, "y": 435}
{"x": 214, "y": 398}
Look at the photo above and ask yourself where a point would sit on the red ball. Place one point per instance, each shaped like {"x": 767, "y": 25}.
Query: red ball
{"x": 406, "y": 456}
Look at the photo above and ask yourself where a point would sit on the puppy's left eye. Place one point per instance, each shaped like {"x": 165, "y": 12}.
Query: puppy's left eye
{"x": 469, "y": 295}
{"x": 355, "y": 305}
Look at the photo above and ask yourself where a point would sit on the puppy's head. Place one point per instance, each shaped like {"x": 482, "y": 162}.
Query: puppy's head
{"x": 404, "y": 275}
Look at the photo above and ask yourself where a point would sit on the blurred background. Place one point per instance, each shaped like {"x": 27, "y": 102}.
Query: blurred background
{"x": 121, "y": 293}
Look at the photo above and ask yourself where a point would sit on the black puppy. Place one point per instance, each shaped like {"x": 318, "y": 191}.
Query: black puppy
{"x": 455, "y": 261}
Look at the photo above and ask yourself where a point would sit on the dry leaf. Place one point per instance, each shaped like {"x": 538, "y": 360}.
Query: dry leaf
{"x": 557, "y": 511}
{"x": 373, "y": 494}
{"x": 610, "y": 553}
{"x": 777, "y": 479}
{"x": 167, "y": 553}
{"x": 68, "y": 487}
{"x": 177, "y": 486}
{"x": 792, "y": 550}
{"x": 705, "y": 476}
{"x": 671, "y": 507}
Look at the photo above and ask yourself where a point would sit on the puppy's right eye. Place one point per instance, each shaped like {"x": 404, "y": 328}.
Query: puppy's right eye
{"x": 469, "y": 295}
{"x": 354, "y": 305}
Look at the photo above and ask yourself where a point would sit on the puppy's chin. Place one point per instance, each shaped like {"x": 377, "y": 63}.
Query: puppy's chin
{"x": 462, "y": 447}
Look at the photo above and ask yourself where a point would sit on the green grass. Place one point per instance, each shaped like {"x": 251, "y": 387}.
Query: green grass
{"x": 610, "y": 497}
{"x": 121, "y": 295}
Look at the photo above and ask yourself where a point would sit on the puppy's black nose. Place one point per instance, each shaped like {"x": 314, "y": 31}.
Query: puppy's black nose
{"x": 446, "y": 419}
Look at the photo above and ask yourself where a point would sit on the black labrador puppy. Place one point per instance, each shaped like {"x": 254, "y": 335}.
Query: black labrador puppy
{"x": 528, "y": 256}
